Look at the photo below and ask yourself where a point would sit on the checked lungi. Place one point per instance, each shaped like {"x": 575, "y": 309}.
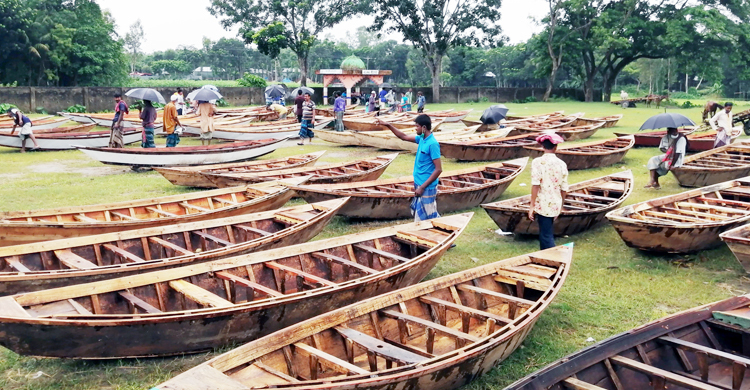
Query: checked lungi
{"x": 425, "y": 207}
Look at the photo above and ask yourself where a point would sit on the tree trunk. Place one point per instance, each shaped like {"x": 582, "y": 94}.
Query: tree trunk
{"x": 436, "y": 67}
{"x": 588, "y": 89}
{"x": 302, "y": 60}
{"x": 607, "y": 88}
{"x": 550, "y": 81}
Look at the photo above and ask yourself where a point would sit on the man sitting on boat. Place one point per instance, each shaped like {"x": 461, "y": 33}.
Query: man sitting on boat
{"x": 674, "y": 145}
{"x": 549, "y": 185}
{"x": 722, "y": 123}
{"x": 427, "y": 166}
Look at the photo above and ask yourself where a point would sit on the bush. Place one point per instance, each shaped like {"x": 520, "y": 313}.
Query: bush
{"x": 76, "y": 108}
{"x": 689, "y": 104}
{"x": 528, "y": 99}
{"x": 251, "y": 80}
{"x": 222, "y": 103}
{"x": 4, "y": 107}
{"x": 41, "y": 110}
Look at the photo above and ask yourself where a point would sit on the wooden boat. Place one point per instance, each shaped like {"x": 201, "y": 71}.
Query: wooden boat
{"x": 82, "y": 128}
{"x": 391, "y": 198}
{"x": 697, "y": 141}
{"x": 700, "y": 348}
{"x": 368, "y": 124}
{"x": 714, "y": 166}
{"x": 589, "y": 155}
{"x": 49, "y": 264}
{"x": 551, "y": 123}
{"x": 738, "y": 241}
{"x": 350, "y": 110}
{"x": 569, "y": 133}
{"x": 440, "y": 334}
{"x": 256, "y": 133}
{"x": 347, "y": 172}
{"x": 487, "y": 135}
{"x": 448, "y": 116}
{"x": 43, "y": 124}
{"x": 611, "y": 120}
{"x": 505, "y": 123}
{"x": 583, "y": 208}
{"x": 550, "y": 115}
{"x": 70, "y": 141}
{"x": 493, "y": 149}
{"x": 202, "y": 306}
{"x": 345, "y": 137}
{"x": 19, "y": 227}
{"x": 387, "y": 140}
{"x": 192, "y": 177}
{"x": 685, "y": 222}
{"x": 588, "y": 121}
{"x": 183, "y": 156}
{"x": 105, "y": 120}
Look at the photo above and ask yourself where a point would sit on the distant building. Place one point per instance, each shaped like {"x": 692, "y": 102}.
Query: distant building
{"x": 202, "y": 73}
{"x": 141, "y": 76}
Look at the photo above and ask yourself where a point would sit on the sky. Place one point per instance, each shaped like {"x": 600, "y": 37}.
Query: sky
{"x": 168, "y": 24}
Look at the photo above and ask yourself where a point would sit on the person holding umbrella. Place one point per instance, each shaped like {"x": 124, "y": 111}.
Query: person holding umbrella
{"x": 549, "y": 186}
{"x": 206, "y": 111}
{"x": 308, "y": 120}
{"x": 298, "y": 101}
{"x": 674, "y": 145}
{"x": 148, "y": 118}
{"x": 722, "y": 123}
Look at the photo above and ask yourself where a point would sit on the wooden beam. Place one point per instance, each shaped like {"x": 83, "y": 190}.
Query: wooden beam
{"x": 15, "y": 263}
{"x": 495, "y": 294}
{"x": 83, "y": 218}
{"x": 72, "y": 260}
{"x": 476, "y": 313}
{"x": 380, "y": 348}
{"x": 161, "y": 212}
{"x": 657, "y": 372}
{"x": 274, "y": 371}
{"x": 123, "y": 253}
{"x": 429, "y": 324}
{"x": 332, "y": 360}
{"x": 199, "y": 294}
{"x": 380, "y": 253}
{"x": 123, "y": 217}
{"x": 213, "y": 238}
{"x": 194, "y": 207}
{"x": 247, "y": 283}
{"x": 308, "y": 277}
{"x": 345, "y": 262}
{"x": 251, "y": 229}
{"x": 575, "y": 384}
{"x": 167, "y": 244}
{"x": 138, "y": 302}
{"x": 693, "y": 347}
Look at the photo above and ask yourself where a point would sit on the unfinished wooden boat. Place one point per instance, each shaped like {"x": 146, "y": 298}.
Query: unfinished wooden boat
{"x": 347, "y": 172}
{"x": 569, "y": 133}
{"x": 583, "y": 208}
{"x": 17, "y": 227}
{"x": 345, "y": 137}
{"x": 368, "y": 123}
{"x": 493, "y": 149}
{"x": 589, "y": 155}
{"x": 192, "y": 177}
{"x": 448, "y": 116}
{"x": 202, "y": 306}
{"x": 686, "y": 222}
{"x": 551, "y": 123}
{"x": 697, "y": 141}
{"x": 256, "y": 133}
{"x": 391, "y": 198}
{"x": 183, "y": 156}
{"x": 700, "y": 349}
{"x": 43, "y": 124}
{"x": 611, "y": 120}
{"x": 49, "y": 264}
{"x": 70, "y": 141}
{"x": 738, "y": 241}
{"x": 439, "y": 334}
{"x": 82, "y": 128}
{"x": 387, "y": 140}
{"x": 588, "y": 121}
{"x": 714, "y": 166}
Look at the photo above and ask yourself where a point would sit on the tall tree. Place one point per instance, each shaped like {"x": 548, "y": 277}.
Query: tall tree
{"x": 302, "y": 20}
{"x": 434, "y": 26}
{"x": 133, "y": 42}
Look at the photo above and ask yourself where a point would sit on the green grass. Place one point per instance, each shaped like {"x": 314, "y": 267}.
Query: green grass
{"x": 611, "y": 287}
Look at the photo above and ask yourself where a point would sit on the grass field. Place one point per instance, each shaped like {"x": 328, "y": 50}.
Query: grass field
{"x": 611, "y": 288}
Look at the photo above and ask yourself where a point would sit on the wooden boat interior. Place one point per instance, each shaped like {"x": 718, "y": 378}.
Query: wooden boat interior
{"x": 513, "y": 141}
{"x": 328, "y": 170}
{"x": 595, "y": 147}
{"x": 433, "y": 322}
{"x": 732, "y": 156}
{"x": 254, "y": 166}
{"x": 141, "y": 247}
{"x": 242, "y": 280}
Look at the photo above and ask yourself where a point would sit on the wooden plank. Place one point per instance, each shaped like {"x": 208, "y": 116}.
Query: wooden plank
{"x": 575, "y": 384}
{"x": 495, "y": 294}
{"x": 123, "y": 253}
{"x": 378, "y": 347}
{"x": 161, "y": 212}
{"x": 123, "y": 217}
{"x": 72, "y": 260}
{"x": 79, "y": 308}
{"x": 138, "y": 302}
{"x": 308, "y": 277}
{"x": 10, "y": 308}
{"x": 712, "y": 207}
{"x": 345, "y": 262}
{"x": 693, "y": 347}
{"x": 274, "y": 371}
{"x": 476, "y": 313}
{"x": 83, "y": 218}
{"x": 341, "y": 364}
{"x": 510, "y": 277}
{"x": 194, "y": 207}
{"x": 380, "y": 253}
{"x": 170, "y": 245}
{"x": 199, "y": 295}
{"x": 247, "y": 283}
{"x": 15, "y": 263}
{"x": 213, "y": 238}
{"x": 429, "y": 324}
{"x": 668, "y": 376}
{"x": 253, "y": 230}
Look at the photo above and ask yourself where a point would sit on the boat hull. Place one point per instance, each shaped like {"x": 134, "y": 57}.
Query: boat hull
{"x": 670, "y": 239}
{"x": 463, "y": 152}
{"x": 691, "y": 177}
{"x": 69, "y": 141}
{"x": 519, "y": 222}
{"x": 588, "y": 160}
{"x": 737, "y": 241}
{"x": 338, "y": 137}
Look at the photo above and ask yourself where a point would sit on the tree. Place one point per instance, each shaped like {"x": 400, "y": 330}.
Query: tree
{"x": 302, "y": 21}
{"x": 435, "y": 26}
{"x": 133, "y": 41}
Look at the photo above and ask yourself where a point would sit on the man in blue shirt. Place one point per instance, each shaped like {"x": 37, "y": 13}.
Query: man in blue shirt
{"x": 427, "y": 166}
{"x": 339, "y": 107}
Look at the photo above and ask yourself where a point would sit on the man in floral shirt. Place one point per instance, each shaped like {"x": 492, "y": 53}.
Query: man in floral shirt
{"x": 549, "y": 181}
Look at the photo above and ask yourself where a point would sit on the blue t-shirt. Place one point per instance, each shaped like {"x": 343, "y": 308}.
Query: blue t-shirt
{"x": 382, "y": 95}
{"x": 120, "y": 109}
{"x": 427, "y": 150}
{"x": 420, "y": 101}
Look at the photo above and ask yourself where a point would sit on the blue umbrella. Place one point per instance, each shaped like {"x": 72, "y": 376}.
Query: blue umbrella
{"x": 668, "y": 119}
{"x": 146, "y": 94}
{"x": 275, "y": 91}
{"x": 494, "y": 114}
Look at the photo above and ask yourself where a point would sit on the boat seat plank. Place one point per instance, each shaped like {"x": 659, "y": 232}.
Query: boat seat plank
{"x": 532, "y": 282}
{"x": 247, "y": 283}
{"x": 83, "y": 218}
{"x": 675, "y": 217}
{"x": 346, "y": 366}
{"x": 79, "y": 308}
{"x": 582, "y": 202}
{"x": 199, "y": 294}
{"x": 167, "y": 244}
{"x": 72, "y": 260}
{"x": 609, "y": 186}
{"x": 380, "y": 253}
{"x": 545, "y": 272}
{"x": 744, "y": 191}
{"x": 123, "y": 253}
{"x": 253, "y": 230}
{"x": 378, "y": 347}
{"x": 194, "y": 207}
{"x": 476, "y": 313}
{"x": 307, "y": 276}
{"x": 432, "y": 236}
{"x": 592, "y": 197}
{"x": 15, "y": 263}
{"x": 123, "y": 217}
{"x": 667, "y": 375}
{"x": 576, "y": 384}
{"x": 225, "y": 201}
{"x": 429, "y": 324}
{"x": 213, "y": 238}
{"x": 696, "y": 213}
{"x": 288, "y": 218}
{"x": 495, "y": 294}
{"x": 711, "y": 352}
{"x": 411, "y": 242}
{"x": 345, "y": 262}
{"x": 205, "y": 377}
{"x": 138, "y": 302}
{"x": 10, "y": 308}
{"x": 161, "y": 212}
{"x": 724, "y": 201}
{"x": 712, "y": 207}
{"x": 260, "y": 365}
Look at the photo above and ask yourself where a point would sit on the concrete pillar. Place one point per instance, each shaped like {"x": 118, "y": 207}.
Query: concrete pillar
{"x": 325, "y": 96}
{"x": 349, "y": 95}
{"x": 32, "y": 99}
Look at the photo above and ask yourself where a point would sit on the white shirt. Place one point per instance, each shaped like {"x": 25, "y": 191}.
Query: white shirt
{"x": 722, "y": 119}
{"x": 180, "y": 103}
{"x": 623, "y": 95}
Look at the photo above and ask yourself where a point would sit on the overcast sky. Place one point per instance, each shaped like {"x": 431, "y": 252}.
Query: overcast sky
{"x": 168, "y": 24}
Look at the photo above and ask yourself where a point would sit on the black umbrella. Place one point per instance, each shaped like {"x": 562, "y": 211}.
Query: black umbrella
{"x": 386, "y": 85}
{"x": 275, "y": 91}
{"x": 668, "y": 119}
{"x": 146, "y": 94}
{"x": 304, "y": 91}
{"x": 204, "y": 95}
{"x": 494, "y": 114}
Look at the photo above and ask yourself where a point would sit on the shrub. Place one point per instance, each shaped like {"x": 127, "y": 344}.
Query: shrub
{"x": 41, "y": 110}
{"x": 222, "y": 103}
{"x": 76, "y": 108}
{"x": 689, "y": 104}
{"x": 528, "y": 99}
{"x": 4, "y": 107}
{"x": 251, "y": 80}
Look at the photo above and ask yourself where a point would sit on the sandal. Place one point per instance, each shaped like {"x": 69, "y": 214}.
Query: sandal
{"x": 301, "y": 143}
{"x": 647, "y": 186}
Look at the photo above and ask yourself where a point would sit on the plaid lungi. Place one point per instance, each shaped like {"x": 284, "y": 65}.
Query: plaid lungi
{"x": 425, "y": 207}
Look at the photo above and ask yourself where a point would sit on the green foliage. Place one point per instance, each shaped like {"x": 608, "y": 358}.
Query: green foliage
{"x": 251, "y": 80}
{"x": 76, "y": 108}
{"x": 4, "y": 107}
{"x": 222, "y": 103}
{"x": 270, "y": 39}
{"x": 173, "y": 67}
{"x": 528, "y": 99}
{"x": 688, "y": 104}
{"x": 41, "y": 110}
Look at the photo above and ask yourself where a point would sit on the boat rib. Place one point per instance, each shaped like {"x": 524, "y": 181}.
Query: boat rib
{"x": 738, "y": 241}
{"x": 391, "y": 198}
{"x": 440, "y": 334}
{"x": 584, "y": 206}
{"x": 192, "y": 177}
{"x": 589, "y": 155}
{"x": 202, "y": 306}
{"x": 49, "y": 264}
{"x": 19, "y": 227}
{"x": 686, "y": 222}
{"x": 714, "y": 166}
